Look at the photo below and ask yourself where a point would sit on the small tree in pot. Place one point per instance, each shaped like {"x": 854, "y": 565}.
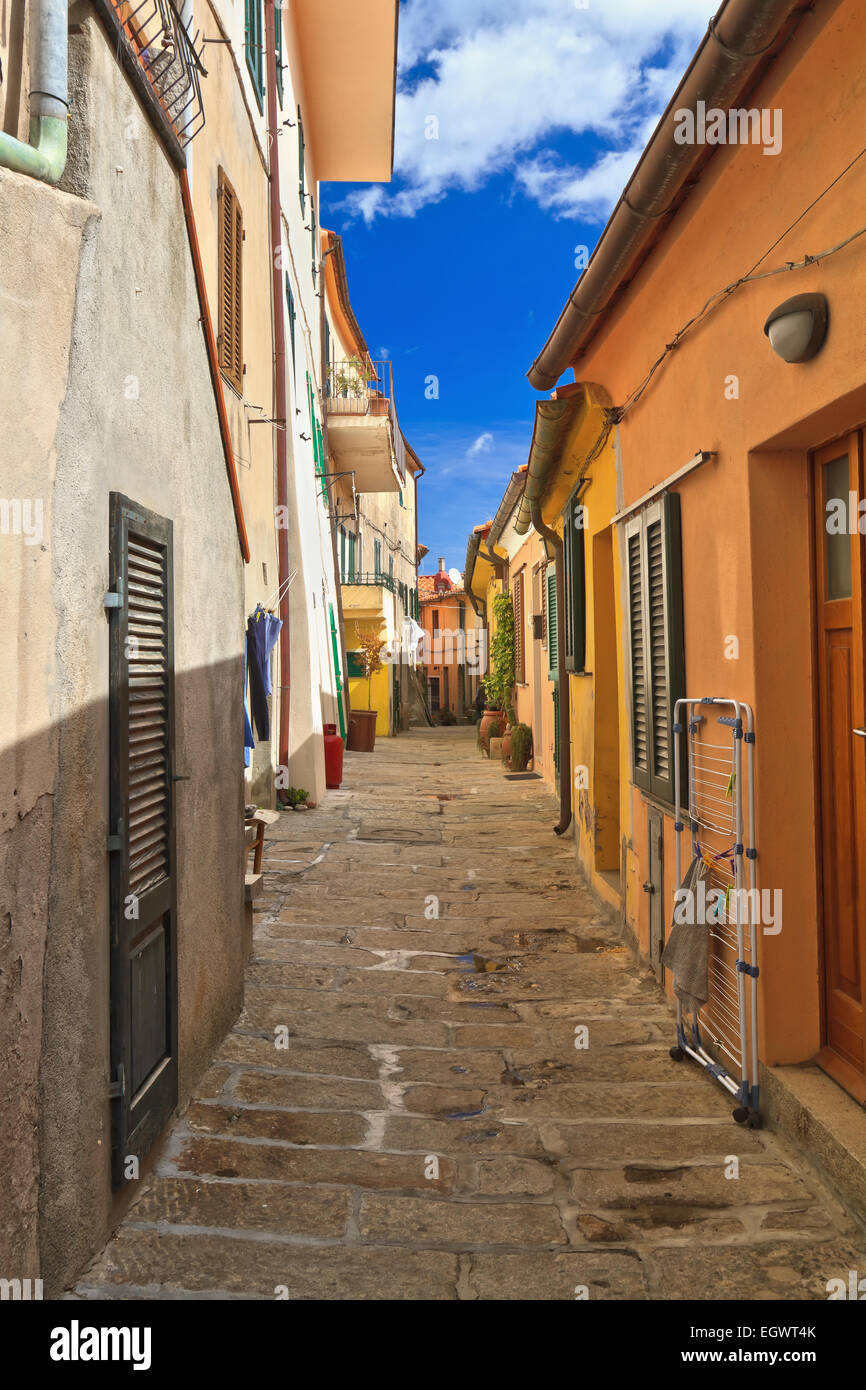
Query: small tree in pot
{"x": 499, "y": 683}
{"x": 362, "y": 723}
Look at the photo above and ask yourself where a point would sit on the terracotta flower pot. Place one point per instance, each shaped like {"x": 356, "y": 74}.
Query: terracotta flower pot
{"x": 362, "y": 731}
{"x": 489, "y": 720}
{"x": 506, "y": 747}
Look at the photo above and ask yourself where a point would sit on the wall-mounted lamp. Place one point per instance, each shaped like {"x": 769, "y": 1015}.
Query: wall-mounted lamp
{"x": 797, "y": 328}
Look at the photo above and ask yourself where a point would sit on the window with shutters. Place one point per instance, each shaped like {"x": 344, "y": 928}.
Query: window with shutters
{"x": 230, "y": 254}
{"x": 552, "y": 624}
{"x": 278, "y": 36}
{"x": 574, "y": 616}
{"x": 143, "y": 952}
{"x": 343, "y": 553}
{"x": 290, "y": 309}
{"x": 377, "y": 557}
{"x": 655, "y": 642}
{"x": 517, "y": 599}
{"x": 302, "y": 175}
{"x": 254, "y": 48}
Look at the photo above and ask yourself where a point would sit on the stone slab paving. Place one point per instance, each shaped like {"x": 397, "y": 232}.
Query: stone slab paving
{"x": 401, "y": 1113}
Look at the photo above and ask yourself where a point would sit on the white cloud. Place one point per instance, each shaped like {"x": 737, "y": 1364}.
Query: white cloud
{"x": 506, "y": 79}
{"x": 482, "y": 445}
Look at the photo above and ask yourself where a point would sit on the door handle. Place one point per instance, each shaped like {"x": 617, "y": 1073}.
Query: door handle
{"x": 648, "y": 887}
{"x": 861, "y": 733}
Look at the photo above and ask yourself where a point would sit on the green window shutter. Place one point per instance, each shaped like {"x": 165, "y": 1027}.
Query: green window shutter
{"x": 278, "y": 33}
{"x": 574, "y": 617}
{"x": 342, "y": 552}
{"x": 552, "y": 625}
{"x": 302, "y": 186}
{"x": 253, "y": 47}
{"x": 354, "y": 663}
{"x": 640, "y": 707}
{"x": 351, "y": 556}
{"x": 290, "y": 307}
{"x": 656, "y": 643}
{"x": 377, "y": 553}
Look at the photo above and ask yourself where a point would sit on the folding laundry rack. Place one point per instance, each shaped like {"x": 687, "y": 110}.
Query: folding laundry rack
{"x": 721, "y": 823}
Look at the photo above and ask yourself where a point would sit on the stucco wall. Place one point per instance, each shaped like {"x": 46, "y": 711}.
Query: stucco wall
{"x": 111, "y": 372}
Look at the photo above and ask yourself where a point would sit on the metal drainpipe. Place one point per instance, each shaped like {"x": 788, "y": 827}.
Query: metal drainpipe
{"x": 281, "y": 412}
{"x": 343, "y": 695}
{"x": 564, "y": 712}
{"x": 45, "y": 156}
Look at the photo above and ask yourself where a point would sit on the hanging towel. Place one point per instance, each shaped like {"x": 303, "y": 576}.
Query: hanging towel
{"x": 686, "y": 950}
{"x": 257, "y": 663}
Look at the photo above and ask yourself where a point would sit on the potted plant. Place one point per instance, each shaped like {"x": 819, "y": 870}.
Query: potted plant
{"x": 499, "y": 683}
{"x": 362, "y": 722}
{"x": 521, "y": 747}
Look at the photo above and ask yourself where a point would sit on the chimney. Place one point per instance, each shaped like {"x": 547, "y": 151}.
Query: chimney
{"x": 441, "y": 564}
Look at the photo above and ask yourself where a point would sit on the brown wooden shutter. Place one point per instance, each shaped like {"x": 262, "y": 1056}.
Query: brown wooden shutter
{"x": 231, "y": 236}
{"x": 519, "y": 621}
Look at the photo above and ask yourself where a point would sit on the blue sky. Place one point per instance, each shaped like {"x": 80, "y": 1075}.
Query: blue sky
{"x": 459, "y": 267}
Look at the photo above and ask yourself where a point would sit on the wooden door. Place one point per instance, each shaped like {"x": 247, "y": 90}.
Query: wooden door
{"x": 838, "y": 479}
{"x": 141, "y": 833}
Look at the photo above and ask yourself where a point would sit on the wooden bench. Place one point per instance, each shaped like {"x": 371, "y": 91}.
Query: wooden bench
{"x": 254, "y": 844}
{"x": 254, "y": 836}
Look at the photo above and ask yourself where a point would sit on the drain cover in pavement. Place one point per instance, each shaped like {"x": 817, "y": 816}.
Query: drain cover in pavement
{"x": 523, "y": 776}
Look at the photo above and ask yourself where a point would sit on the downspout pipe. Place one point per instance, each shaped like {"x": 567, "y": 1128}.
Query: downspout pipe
{"x": 280, "y": 394}
{"x": 44, "y": 157}
{"x": 343, "y": 681}
{"x": 555, "y": 542}
{"x": 739, "y": 45}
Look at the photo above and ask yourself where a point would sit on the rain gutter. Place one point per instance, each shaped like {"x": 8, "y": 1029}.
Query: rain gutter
{"x": 44, "y": 157}
{"x": 553, "y": 421}
{"x": 742, "y": 41}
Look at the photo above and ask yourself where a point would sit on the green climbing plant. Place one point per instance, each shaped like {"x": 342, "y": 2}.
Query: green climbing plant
{"x": 499, "y": 683}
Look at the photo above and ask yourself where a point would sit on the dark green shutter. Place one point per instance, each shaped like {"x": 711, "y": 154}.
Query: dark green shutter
{"x": 278, "y": 35}
{"x": 640, "y": 713}
{"x": 302, "y": 187}
{"x": 552, "y": 625}
{"x": 141, "y": 845}
{"x": 656, "y": 645}
{"x": 254, "y": 47}
{"x": 290, "y": 306}
{"x": 574, "y": 618}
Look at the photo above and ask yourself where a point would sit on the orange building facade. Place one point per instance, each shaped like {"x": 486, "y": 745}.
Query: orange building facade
{"x": 688, "y": 423}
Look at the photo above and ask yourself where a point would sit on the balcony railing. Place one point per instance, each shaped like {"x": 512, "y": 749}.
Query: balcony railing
{"x": 366, "y": 388}
{"x": 383, "y": 581}
{"x": 156, "y": 46}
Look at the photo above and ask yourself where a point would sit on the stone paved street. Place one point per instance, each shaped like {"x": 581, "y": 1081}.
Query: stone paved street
{"x": 431, "y": 1131}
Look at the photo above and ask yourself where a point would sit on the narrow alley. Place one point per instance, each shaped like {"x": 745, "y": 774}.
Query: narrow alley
{"x": 408, "y": 1106}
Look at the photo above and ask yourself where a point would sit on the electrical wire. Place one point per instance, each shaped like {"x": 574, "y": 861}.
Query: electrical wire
{"x": 614, "y": 415}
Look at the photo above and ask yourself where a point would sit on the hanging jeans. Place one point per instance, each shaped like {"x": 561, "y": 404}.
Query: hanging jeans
{"x": 256, "y": 646}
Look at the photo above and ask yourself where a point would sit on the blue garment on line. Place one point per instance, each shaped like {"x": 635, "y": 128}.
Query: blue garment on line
{"x": 248, "y": 731}
{"x": 273, "y": 627}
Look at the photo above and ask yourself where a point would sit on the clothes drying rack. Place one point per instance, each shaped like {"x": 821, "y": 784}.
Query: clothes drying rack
{"x": 722, "y": 1036}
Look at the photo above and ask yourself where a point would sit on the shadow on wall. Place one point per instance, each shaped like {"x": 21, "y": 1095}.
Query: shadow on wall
{"x": 56, "y": 1202}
